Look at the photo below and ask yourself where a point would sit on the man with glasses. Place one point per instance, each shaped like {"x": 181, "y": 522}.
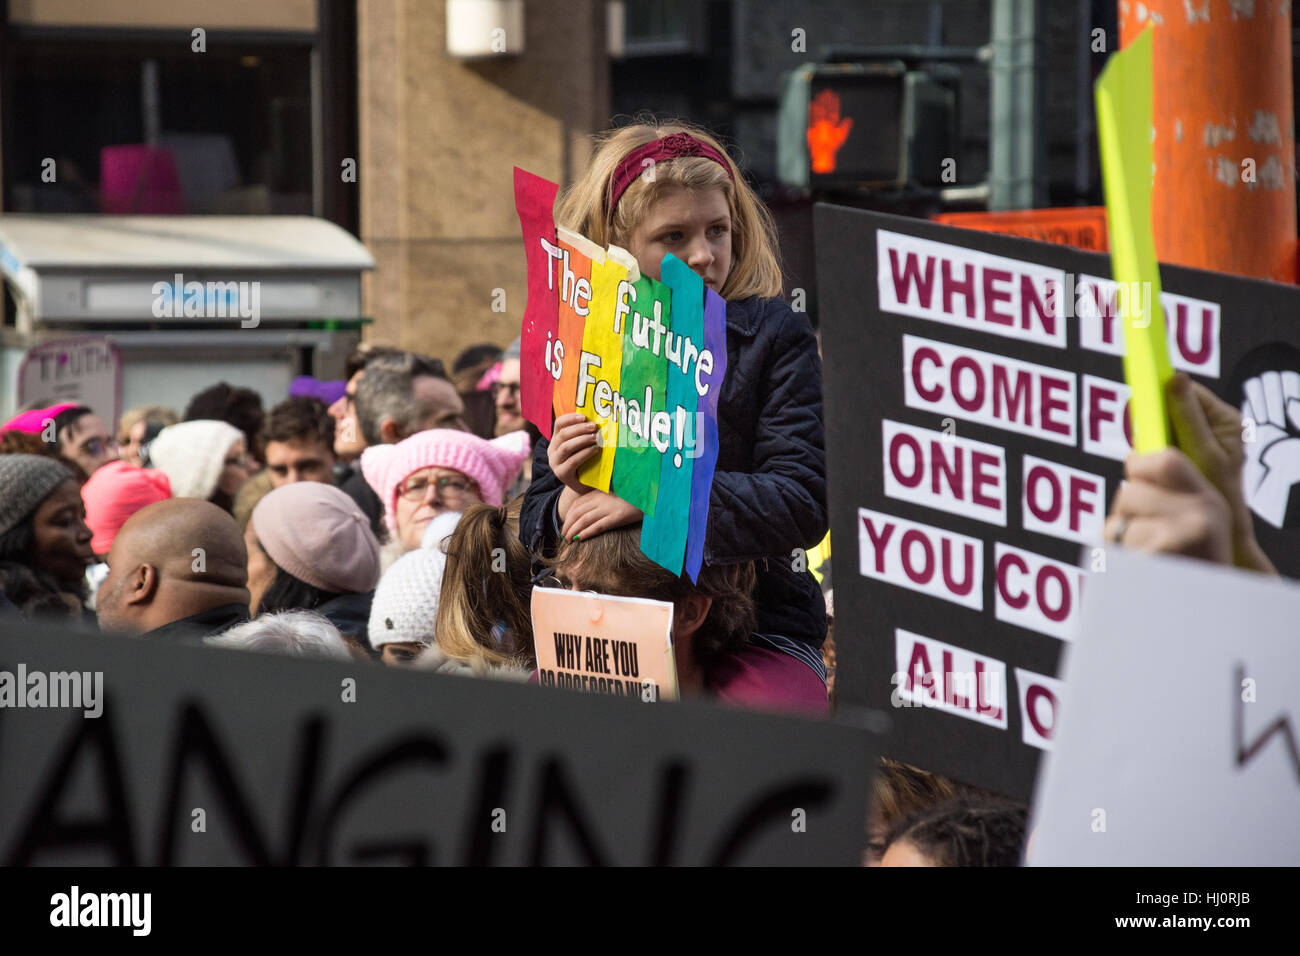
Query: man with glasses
{"x": 510, "y": 416}
{"x": 390, "y": 395}
{"x": 348, "y": 441}
{"x": 405, "y": 394}
{"x": 505, "y": 393}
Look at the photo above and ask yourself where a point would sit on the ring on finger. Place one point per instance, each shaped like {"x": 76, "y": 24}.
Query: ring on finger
{"x": 1118, "y": 536}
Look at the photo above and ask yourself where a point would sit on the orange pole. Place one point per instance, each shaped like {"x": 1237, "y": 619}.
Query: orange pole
{"x": 1224, "y": 147}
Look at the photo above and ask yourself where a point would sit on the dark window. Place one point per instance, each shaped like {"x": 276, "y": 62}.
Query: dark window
{"x": 233, "y": 125}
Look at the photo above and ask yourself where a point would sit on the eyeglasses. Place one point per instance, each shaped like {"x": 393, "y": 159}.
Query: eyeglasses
{"x": 448, "y": 489}
{"x": 496, "y": 388}
{"x": 98, "y": 446}
{"x": 547, "y": 578}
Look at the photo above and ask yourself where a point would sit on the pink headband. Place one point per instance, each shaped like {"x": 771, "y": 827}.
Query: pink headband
{"x": 667, "y": 147}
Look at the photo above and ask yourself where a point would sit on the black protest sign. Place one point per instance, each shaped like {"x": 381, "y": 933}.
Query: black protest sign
{"x": 207, "y": 756}
{"x": 977, "y": 424}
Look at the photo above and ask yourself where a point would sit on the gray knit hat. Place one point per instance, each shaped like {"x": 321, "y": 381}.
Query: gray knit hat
{"x": 26, "y": 481}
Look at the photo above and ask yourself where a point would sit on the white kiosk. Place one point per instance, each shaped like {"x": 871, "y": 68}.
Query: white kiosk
{"x": 184, "y": 301}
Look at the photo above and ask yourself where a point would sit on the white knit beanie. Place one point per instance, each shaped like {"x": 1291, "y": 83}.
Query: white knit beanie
{"x": 439, "y": 530}
{"x": 405, "y": 607}
{"x": 192, "y": 454}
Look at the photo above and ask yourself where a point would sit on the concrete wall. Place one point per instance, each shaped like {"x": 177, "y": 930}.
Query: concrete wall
{"x": 439, "y": 138}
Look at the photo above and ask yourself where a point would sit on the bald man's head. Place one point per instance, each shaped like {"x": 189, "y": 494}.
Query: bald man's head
{"x": 171, "y": 560}
{"x": 166, "y": 534}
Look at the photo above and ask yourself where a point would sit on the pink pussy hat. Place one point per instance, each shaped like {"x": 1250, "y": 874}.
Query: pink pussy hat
{"x": 33, "y": 422}
{"x": 492, "y": 465}
{"x": 114, "y": 493}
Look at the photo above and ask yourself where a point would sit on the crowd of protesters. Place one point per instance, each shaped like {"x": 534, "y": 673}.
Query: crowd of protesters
{"x": 367, "y": 518}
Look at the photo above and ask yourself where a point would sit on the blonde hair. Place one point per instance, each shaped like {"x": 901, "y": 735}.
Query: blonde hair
{"x": 477, "y": 596}
{"x": 155, "y": 413}
{"x": 755, "y": 268}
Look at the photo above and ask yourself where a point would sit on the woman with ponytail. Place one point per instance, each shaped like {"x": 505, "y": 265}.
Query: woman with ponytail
{"x": 484, "y": 621}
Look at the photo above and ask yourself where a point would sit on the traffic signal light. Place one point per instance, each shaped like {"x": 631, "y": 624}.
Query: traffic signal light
{"x": 867, "y": 125}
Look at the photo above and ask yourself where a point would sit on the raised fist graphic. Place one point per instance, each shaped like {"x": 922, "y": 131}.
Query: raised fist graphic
{"x": 1270, "y": 411}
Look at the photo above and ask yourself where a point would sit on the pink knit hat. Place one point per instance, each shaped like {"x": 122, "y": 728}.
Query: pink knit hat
{"x": 318, "y": 534}
{"x": 116, "y": 491}
{"x": 33, "y": 422}
{"x": 492, "y": 465}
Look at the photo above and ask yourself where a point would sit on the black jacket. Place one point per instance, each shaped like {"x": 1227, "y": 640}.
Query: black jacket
{"x": 350, "y": 613}
{"x": 769, "y": 490}
{"x": 193, "y": 629}
{"x": 349, "y": 479}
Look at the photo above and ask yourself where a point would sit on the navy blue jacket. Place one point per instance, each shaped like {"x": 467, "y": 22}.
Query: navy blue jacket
{"x": 350, "y": 613}
{"x": 769, "y": 491}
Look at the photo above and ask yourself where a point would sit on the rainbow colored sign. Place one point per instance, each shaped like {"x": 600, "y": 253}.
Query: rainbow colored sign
{"x": 643, "y": 359}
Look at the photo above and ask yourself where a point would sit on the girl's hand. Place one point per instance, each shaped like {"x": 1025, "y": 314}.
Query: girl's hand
{"x": 567, "y": 497}
{"x": 1168, "y": 505}
{"x": 573, "y": 444}
{"x": 597, "y": 512}
{"x": 1208, "y": 431}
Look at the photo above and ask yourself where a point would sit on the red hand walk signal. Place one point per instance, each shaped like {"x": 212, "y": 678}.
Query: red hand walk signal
{"x": 826, "y": 130}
